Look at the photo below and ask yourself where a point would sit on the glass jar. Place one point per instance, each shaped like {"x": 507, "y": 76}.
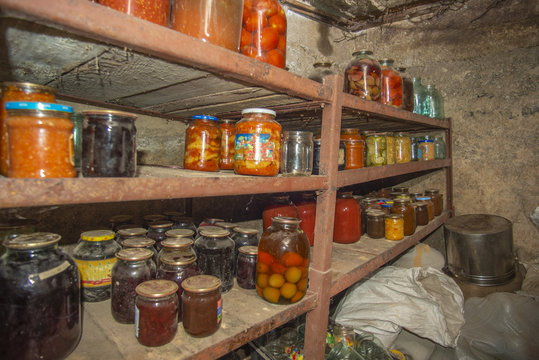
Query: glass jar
{"x": 434, "y": 97}
{"x": 156, "y": 11}
{"x": 391, "y": 84}
{"x": 283, "y": 262}
{"x": 394, "y": 227}
{"x": 439, "y": 147}
{"x": 228, "y": 137}
{"x": 421, "y": 213}
{"x": 77, "y": 119}
{"x": 149, "y": 219}
{"x": 437, "y": 200}
{"x": 390, "y": 148}
{"x": 95, "y": 258}
{"x": 415, "y": 195}
{"x": 426, "y": 149}
{"x": 178, "y": 266}
{"x": 355, "y": 149}
{"x": 280, "y": 205}
{"x": 407, "y": 90}
{"x": 39, "y": 299}
{"x": 347, "y": 226}
{"x": 158, "y": 232}
{"x": 263, "y": 34}
{"x": 341, "y": 161}
{"x": 40, "y": 140}
{"x": 246, "y": 265}
{"x": 123, "y": 234}
{"x": 183, "y": 222}
{"x": 421, "y": 103}
{"x": 430, "y": 205}
{"x": 376, "y": 150}
{"x": 213, "y": 21}
{"x": 156, "y": 312}
{"x": 258, "y": 143}
{"x": 141, "y": 243}
{"x": 386, "y": 208}
{"x": 133, "y": 267}
{"x": 13, "y": 91}
{"x": 215, "y": 253}
{"x": 367, "y": 204}
{"x": 403, "y": 206}
{"x": 243, "y": 237}
{"x": 226, "y": 225}
{"x": 415, "y": 147}
{"x": 363, "y": 75}
{"x": 403, "y": 148}
{"x": 297, "y": 153}
{"x": 321, "y": 70}
{"x": 175, "y": 245}
{"x": 202, "y": 305}
{"x": 306, "y": 208}
{"x": 202, "y": 144}
{"x": 118, "y": 220}
{"x": 375, "y": 224}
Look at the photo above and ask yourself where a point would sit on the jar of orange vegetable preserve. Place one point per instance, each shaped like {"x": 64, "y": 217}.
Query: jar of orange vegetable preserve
{"x": 40, "y": 140}
{"x": 202, "y": 144}
{"x": 258, "y": 143}
{"x": 283, "y": 262}
{"x": 394, "y": 226}
{"x": 228, "y": 136}
{"x": 156, "y": 11}
{"x": 12, "y": 91}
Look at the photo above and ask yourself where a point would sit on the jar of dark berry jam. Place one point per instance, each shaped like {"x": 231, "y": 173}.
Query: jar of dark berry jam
{"x": 202, "y": 305}
{"x": 133, "y": 267}
{"x": 156, "y": 312}
{"x": 141, "y": 243}
{"x": 244, "y": 237}
{"x": 376, "y": 224}
{"x": 157, "y": 231}
{"x": 40, "y": 308}
{"x": 246, "y": 265}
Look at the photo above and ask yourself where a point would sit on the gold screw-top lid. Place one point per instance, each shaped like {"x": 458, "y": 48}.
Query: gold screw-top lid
{"x": 177, "y": 242}
{"x": 134, "y": 254}
{"x": 249, "y": 250}
{"x": 286, "y": 220}
{"x": 138, "y": 242}
{"x": 178, "y": 258}
{"x": 156, "y": 288}
{"x": 225, "y": 225}
{"x": 132, "y": 232}
{"x": 32, "y": 241}
{"x": 179, "y": 233}
{"x": 432, "y": 191}
{"x": 160, "y": 224}
{"x": 247, "y": 231}
{"x": 201, "y": 283}
{"x": 97, "y": 235}
{"x": 213, "y": 231}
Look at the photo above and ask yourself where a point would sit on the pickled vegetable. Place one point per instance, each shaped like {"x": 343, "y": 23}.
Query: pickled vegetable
{"x": 394, "y": 227}
{"x": 403, "y": 148}
{"x": 390, "y": 147}
{"x": 376, "y": 150}
{"x": 363, "y": 76}
{"x": 202, "y": 144}
{"x": 426, "y": 150}
{"x": 391, "y": 84}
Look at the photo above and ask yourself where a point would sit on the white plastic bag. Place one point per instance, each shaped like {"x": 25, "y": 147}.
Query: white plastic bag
{"x": 421, "y": 255}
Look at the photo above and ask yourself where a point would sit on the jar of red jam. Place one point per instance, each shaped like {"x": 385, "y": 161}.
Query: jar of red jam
{"x": 375, "y": 224}
{"x": 362, "y": 77}
{"x": 156, "y": 312}
{"x": 402, "y": 206}
{"x": 430, "y": 205}
{"x": 202, "y": 144}
{"x": 306, "y": 208}
{"x": 347, "y": 227}
{"x": 141, "y": 243}
{"x": 391, "y": 84}
{"x": 246, "y": 265}
{"x": 258, "y": 143}
{"x": 133, "y": 267}
{"x": 394, "y": 227}
{"x": 40, "y": 140}
{"x": 202, "y": 305}
{"x": 156, "y": 11}
{"x": 437, "y": 200}
{"x": 421, "y": 213}
{"x": 228, "y": 138}
{"x": 280, "y": 205}
{"x": 158, "y": 232}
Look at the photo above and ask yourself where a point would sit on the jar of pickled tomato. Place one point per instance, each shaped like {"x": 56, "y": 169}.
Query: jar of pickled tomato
{"x": 391, "y": 84}
{"x": 263, "y": 33}
{"x": 362, "y": 77}
{"x": 306, "y": 208}
{"x": 258, "y": 143}
{"x": 403, "y": 148}
{"x": 228, "y": 137}
{"x": 394, "y": 227}
{"x": 156, "y": 11}
{"x": 202, "y": 144}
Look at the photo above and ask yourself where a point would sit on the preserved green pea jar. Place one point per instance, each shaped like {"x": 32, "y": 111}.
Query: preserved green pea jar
{"x": 376, "y": 150}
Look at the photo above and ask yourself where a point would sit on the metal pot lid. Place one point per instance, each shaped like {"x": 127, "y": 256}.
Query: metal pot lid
{"x": 478, "y": 224}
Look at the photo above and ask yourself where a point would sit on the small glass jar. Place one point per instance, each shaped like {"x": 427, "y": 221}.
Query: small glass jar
{"x": 215, "y": 253}
{"x": 415, "y": 147}
{"x": 363, "y": 75}
{"x": 426, "y": 149}
{"x": 407, "y": 90}
{"x": 390, "y": 148}
{"x": 403, "y": 148}
{"x": 226, "y": 225}
{"x": 421, "y": 213}
{"x": 40, "y": 299}
{"x": 258, "y": 143}
{"x": 158, "y": 232}
{"x": 320, "y": 71}
{"x": 246, "y": 267}
{"x": 306, "y": 208}
{"x": 376, "y": 150}
{"x": 95, "y": 258}
{"x": 430, "y": 205}
{"x": 228, "y": 138}
{"x": 133, "y": 267}
{"x": 402, "y": 206}
{"x": 124, "y": 234}
{"x": 243, "y": 237}
{"x": 40, "y": 140}
{"x": 202, "y": 144}
{"x": 375, "y": 224}
{"x": 347, "y": 226}
{"x": 202, "y": 305}
{"x": 355, "y": 149}
{"x": 437, "y": 200}
{"x": 341, "y": 161}
{"x": 141, "y": 243}
{"x": 386, "y": 208}
{"x": 297, "y": 153}
{"x": 156, "y": 312}
{"x": 367, "y": 204}
{"x": 391, "y": 84}
{"x": 436, "y": 102}
{"x": 394, "y": 227}
{"x": 156, "y": 11}
{"x": 439, "y": 147}
{"x": 184, "y": 222}
{"x": 175, "y": 245}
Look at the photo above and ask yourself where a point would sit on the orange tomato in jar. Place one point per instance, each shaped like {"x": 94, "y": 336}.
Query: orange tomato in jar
{"x": 276, "y": 57}
{"x": 267, "y": 39}
{"x": 278, "y": 22}
{"x": 202, "y": 144}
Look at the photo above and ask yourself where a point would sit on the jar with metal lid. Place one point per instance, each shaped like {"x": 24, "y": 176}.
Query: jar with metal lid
{"x": 347, "y": 226}
{"x": 202, "y": 144}
{"x": 437, "y": 200}
{"x": 180, "y": 233}
{"x": 15, "y": 91}
{"x": 367, "y": 204}
{"x": 95, "y": 258}
{"x": 297, "y": 153}
{"x": 439, "y": 147}
{"x": 386, "y": 208}
{"x": 414, "y": 195}
{"x": 156, "y": 312}
{"x": 376, "y": 150}
{"x": 226, "y": 225}
{"x": 157, "y": 231}
{"x": 320, "y": 70}
{"x": 430, "y": 205}
{"x": 426, "y": 149}
{"x": 40, "y": 140}
{"x": 280, "y": 205}
{"x": 246, "y": 267}
{"x": 391, "y": 84}
{"x": 258, "y": 143}
{"x": 150, "y": 218}
{"x": 394, "y": 227}
{"x": 215, "y": 253}
{"x": 119, "y": 220}
{"x": 355, "y": 149}
{"x": 415, "y": 147}
{"x": 202, "y": 305}
{"x": 402, "y": 206}
{"x": 173, "y": 245}
{"x": 421, "y": 213}
{"x": 178, "y": 266}
{"x": 375, "y": 224}
{"x": 141, "y": 243}
{"x": 133, "y": 267}
{"x": 403, "y": 148}
{"x": 363, "y": 75}
{"x": 228, "y": 138}
{"x": 39, "y": 299}
{"x": 341, "y": 161}
{"x": 184, "y": 222}
{"x": 243, "y": 236}
{"x": 407, "y": 90}
{"x": 306, "y": 208}
{"x": 123, "y": 234}
{"x": 156, "y": 11}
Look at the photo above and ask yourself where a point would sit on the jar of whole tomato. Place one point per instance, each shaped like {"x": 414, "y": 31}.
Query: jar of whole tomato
{"x": 202, "y": 144}
{"x": 347, "y": 227}
{"x": 391, "y": 84}
{"x": 306, "y": 208}
{"x": 362, "y": 77}
{"x": 263, "y": 35}
{"x": 280, "y": 205}
{"x": 228, "y": 137}
{"x": 258, "y": 143}
{"x": 156, "y": 11}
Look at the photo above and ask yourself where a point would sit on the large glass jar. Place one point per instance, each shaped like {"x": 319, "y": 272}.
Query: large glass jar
{"x": 215, "y": 253}
{"x": 40, "y": 140}
{"x": 347, "y": 226}
{"x": 390, "y": 148}
{"x": 439, "y": 147}
{"x": 228, "y": 138}
{"x": 430, "y": 205}
{"x": 109, "y": 144}
{"x": 13, "y": 91}
{"x": 280, "y": 205}
{"x": 407, "y": 90}
{"x": 156, "y": 312}
{"x": 355, "y": 149}
{"x": 426, "y": 149}
{"x": 394, "y": 227}
{"x": 434, "y": 97}
{"x": 246, "y": 265}
{"x": 297, "y": 153}
{"x": 376, "y": 150}
{"x": 306, "y": 208}
{"x": 202, "y": 144}
{"x": 258, "y": 143}
{"x": 402, "y": 206}
{"x": 243, "y": 237}
{"x": 133, "y": 267}
{"x": 363, "y": 76}
{"x": 158, "y": 232}
{"x": 403, "y": 148}
{"x": 40, "y": 308}
{"x": 202, "y": 305}
{"x": 283, "y": 262}
{"x": 421, "y": 103}
{"x": 263, "y": 34}
{"x": 214, "y": 21}
{"x": 391, "y": 84}
{"x": 375, "y": 224}
{"x": 95, "y": 258}
{"x": 156, "y": 11}
{"x": 436, "y": 199}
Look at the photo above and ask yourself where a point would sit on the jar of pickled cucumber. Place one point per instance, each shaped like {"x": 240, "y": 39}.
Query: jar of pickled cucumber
{"x": 362, "y": 77}
{"x": 376, "y": 150}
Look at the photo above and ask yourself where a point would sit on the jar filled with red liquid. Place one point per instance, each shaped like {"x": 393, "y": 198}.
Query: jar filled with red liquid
{"x": 306, "y": 208}
{"x": 347, "y": 227}
{"x": 280, "y": 205}
{"x": 362, "y": 77}
{"x": 263, "y": 34}
{"x": 228, "y": 138}
{"x": 156, "y": 11}
{"x": 407, "y": 90}
{"x": 391, "y": 84}
{"x": 202, "y": 144}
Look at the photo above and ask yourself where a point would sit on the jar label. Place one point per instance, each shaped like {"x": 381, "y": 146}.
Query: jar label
{"x": 95, "y": 273}
{"x": 219, "y": 310}
{"x": 254, "y": 147}
{"x": 32, "y": 278}
{"x": 136, "y": 321}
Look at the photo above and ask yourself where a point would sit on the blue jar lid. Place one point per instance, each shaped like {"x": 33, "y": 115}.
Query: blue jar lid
{"x": 22, "y": 105}
{"x": 386, "y": 205}
{"x": 426, "y": 140}
{"x": 422, "y": 198}
{"x": 204, "y": 117}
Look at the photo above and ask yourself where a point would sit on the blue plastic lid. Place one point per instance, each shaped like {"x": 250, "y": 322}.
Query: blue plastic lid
{"x": 204, "y": 117}
{"x": 386, "y": 205}
{"x": 422, "y": 198}
{"x": 426, "y": 141}
{"x": 23, "y": 105}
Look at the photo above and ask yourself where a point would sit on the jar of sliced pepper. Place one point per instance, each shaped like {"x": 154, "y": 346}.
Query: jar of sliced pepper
{"x": 202, "y": 144}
